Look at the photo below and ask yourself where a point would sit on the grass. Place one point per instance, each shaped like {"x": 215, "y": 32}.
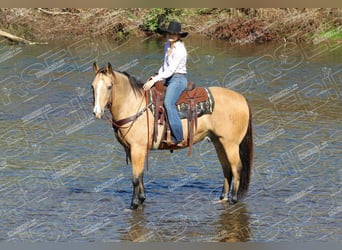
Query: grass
{"x": 333, "y": 34}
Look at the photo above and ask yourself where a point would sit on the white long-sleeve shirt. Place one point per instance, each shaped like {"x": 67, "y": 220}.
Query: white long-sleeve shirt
{"x": 174, "y": 63}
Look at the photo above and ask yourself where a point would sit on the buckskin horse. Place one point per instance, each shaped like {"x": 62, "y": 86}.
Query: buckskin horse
{"x": 229, "y": 127}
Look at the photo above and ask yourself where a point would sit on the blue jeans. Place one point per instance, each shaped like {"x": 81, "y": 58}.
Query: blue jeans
{"x": 176, "y": 84}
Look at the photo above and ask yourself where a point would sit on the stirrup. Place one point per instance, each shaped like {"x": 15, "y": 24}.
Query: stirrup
{"x": 172, "y": 144}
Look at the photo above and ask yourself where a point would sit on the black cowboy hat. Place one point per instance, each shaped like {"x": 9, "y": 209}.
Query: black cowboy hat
{"x": 174, "y": 28}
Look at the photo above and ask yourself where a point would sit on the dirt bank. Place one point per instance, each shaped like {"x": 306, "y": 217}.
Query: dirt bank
{"x": 234, "y": 25}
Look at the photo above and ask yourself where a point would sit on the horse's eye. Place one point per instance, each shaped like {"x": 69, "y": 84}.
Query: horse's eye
{"x": 109, "y": 87}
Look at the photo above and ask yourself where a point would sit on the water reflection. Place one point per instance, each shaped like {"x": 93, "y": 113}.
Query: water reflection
{"x": 138, "y": 230}
{"x": 233, "y": 224}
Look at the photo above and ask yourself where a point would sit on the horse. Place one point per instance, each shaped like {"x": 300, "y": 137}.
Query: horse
{"x": 229, "y": 128}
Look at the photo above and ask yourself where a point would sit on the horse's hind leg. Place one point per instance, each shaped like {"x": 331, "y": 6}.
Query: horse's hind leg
{"x": 221, "y": 153}
{"x": 235, "y": 163}
{"x": 231, "y": 164}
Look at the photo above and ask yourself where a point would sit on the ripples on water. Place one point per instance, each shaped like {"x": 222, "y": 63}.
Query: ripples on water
{"x": 64, "y": 177}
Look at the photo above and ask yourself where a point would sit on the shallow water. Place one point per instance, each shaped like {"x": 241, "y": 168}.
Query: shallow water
{"x": 64, "y": 176}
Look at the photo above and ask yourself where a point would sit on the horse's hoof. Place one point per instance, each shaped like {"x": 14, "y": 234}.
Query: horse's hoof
{"x": 233, "y": 201}
{"x": 142, "y": 198}
{"x": 134, "y": 204}
{"x": 224, "y": 196}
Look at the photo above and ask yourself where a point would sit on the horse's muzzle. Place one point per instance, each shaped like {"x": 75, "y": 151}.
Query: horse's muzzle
{"x": 98, "y": 112}
{"x": 98, "y": 115}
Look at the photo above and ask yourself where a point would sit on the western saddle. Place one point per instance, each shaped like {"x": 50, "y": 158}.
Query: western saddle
{"x": 193, "y": 102}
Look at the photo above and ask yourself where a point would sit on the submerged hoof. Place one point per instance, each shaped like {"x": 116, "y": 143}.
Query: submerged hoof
{"x": 224, "y": 197}
{"x": 134, "y": 204}
{"x": 233, "y": 201}
{"x": 142, "y": 198}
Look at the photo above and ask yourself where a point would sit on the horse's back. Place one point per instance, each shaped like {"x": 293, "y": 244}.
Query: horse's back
{"x": 231, "y": 112}
{"x": 228, "y": 95}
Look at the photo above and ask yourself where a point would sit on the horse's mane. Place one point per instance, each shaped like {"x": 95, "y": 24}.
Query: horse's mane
{"x": 134, "y": 82}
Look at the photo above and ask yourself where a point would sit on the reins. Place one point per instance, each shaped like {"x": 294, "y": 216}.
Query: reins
{"x": 148, "y": 128}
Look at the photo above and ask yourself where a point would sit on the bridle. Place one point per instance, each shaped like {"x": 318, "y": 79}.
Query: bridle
{"x": 121, "y": 123}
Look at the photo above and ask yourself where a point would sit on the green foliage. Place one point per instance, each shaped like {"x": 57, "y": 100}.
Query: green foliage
{"x": 152, "y": 18}
{"x": 158, "y": 16}
{"x": 334, "y": 34}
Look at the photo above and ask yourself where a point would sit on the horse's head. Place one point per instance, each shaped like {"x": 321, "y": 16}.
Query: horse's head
{"x": 102, "y": 86}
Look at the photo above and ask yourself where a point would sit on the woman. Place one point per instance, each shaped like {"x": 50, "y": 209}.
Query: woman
{"x": 173, "y": 71}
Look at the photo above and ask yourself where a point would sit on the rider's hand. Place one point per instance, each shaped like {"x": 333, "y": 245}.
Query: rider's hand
{"x": 148, "y": 84}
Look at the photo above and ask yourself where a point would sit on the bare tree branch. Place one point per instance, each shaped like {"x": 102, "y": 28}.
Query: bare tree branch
{"x": 17, "y": 39}
{"x": 57, "y": 12}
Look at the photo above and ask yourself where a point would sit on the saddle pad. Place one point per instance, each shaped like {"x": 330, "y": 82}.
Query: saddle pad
{"x": 204, "y": 105}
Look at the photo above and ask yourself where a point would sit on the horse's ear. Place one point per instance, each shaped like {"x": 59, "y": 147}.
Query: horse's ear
{"x": 95, "y": 67}
{"x": 109, "y": 68}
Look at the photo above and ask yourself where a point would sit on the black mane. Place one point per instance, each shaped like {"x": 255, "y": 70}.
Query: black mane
{"x": 134, "y": 82}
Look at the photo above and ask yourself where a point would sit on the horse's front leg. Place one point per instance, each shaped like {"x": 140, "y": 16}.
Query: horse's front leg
{"x": 138, "y": 158}
{"x": 142, "y": 195}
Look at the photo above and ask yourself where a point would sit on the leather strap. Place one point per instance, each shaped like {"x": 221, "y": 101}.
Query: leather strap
{"x": 122, "y": 122}
{"x": 132, "y": 118}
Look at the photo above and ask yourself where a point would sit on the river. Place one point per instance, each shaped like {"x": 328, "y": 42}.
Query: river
{"x": 63, "y": 176}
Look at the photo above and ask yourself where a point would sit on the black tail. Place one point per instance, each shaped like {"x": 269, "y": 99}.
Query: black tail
{"x": 246, "y": 156}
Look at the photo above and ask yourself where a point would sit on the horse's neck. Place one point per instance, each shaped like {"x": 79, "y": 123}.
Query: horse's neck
{"x": 124, "y": 101}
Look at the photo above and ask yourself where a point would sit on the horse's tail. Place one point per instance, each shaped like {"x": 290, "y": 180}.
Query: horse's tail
{"x": 246, "y": 156}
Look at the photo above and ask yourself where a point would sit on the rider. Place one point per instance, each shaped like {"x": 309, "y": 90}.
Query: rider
{"x": 173, "y": 71}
